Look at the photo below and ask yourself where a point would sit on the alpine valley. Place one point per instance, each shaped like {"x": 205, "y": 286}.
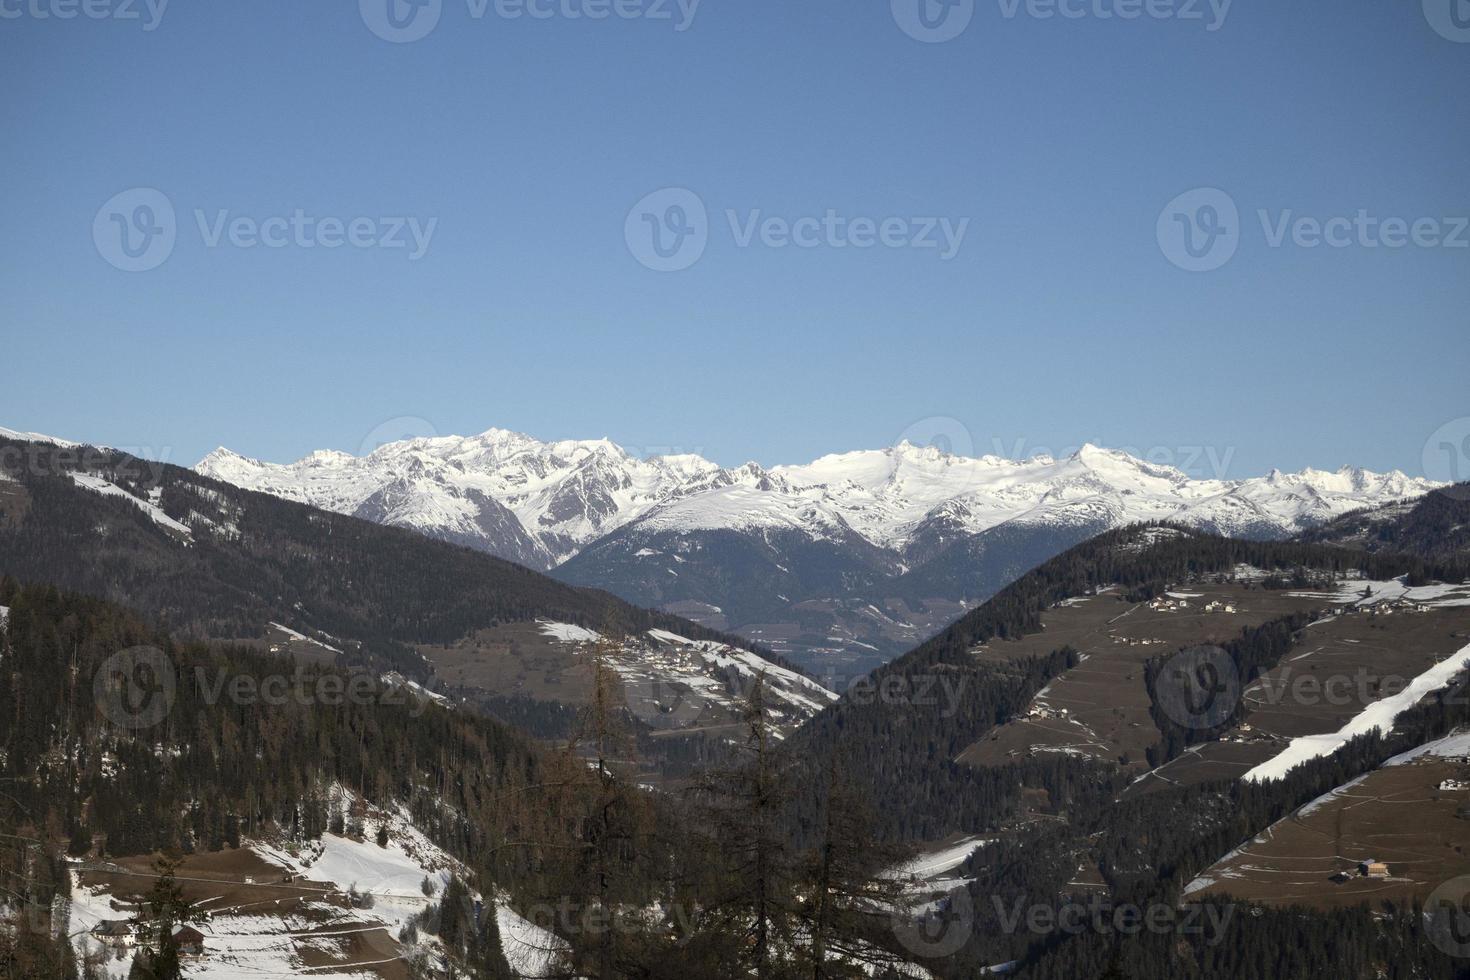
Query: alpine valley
{"x": 839, "y": 564}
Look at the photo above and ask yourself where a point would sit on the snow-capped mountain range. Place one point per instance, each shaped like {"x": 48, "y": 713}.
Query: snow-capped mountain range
{"x": 841, "y": 555}
{"x": 543, "y": 502}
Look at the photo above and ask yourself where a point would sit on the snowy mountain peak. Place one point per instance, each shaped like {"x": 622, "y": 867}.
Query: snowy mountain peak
{"x": 543, "y": 502}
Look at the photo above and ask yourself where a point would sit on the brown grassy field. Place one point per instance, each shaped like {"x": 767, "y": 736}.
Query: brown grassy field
{"x": 1100, "y": 709}
{"x": 1395, "y": 815}
{"x": 1342, "y": 665}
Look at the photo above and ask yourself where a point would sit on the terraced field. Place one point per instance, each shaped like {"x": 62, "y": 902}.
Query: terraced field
{"x": 1397, "y": 815}
{"x": 1100, "y": 709}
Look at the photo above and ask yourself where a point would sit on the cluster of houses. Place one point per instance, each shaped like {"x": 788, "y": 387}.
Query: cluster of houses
{"x": 1384, "y": 607}
{"x": 1166, "y": 603}
{"x": 1039, "y": 710}
{"x": 126, "y": 933}
{"x": 1134, "y": 642}
{"x": 1450, "y": 785}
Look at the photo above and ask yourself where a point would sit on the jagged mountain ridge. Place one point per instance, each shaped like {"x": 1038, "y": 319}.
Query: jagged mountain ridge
{"x": 856, "y": 556}
{"x": 904, "y": 499}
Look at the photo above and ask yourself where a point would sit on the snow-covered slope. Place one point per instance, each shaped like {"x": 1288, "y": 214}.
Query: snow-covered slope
{"x": 565, "y": 495}
{"x": 674, "y": 683}
{"x": 506, "y": 493}
{"x": 33, "y": 437}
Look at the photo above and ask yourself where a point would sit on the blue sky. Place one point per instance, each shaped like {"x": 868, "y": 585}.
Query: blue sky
{"x": 524, "y": 144}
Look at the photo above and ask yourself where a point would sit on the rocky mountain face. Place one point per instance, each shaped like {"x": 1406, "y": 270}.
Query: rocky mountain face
{"x": 843, "y": 562}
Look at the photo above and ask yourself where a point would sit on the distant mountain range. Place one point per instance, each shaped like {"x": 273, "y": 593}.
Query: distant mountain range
{"x": 840, "y": 563}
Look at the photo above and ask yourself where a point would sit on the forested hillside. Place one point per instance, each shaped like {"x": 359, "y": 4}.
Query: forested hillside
{"x": 1067, "y": 831}
{"x": 117, "y": 740}
{"x": 211, "y": 560}
{"x": 1435, "y": 527}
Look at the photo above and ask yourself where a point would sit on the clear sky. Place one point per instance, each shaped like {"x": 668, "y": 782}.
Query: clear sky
{"x": 519, "y": 147}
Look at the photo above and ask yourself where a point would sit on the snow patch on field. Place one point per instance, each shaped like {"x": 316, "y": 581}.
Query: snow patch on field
{"x": 1366, "y": 592}
{"x": 568, "y": 632}
{"x": 1377, "y": 716}
{"x": 1329, "y": 796}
